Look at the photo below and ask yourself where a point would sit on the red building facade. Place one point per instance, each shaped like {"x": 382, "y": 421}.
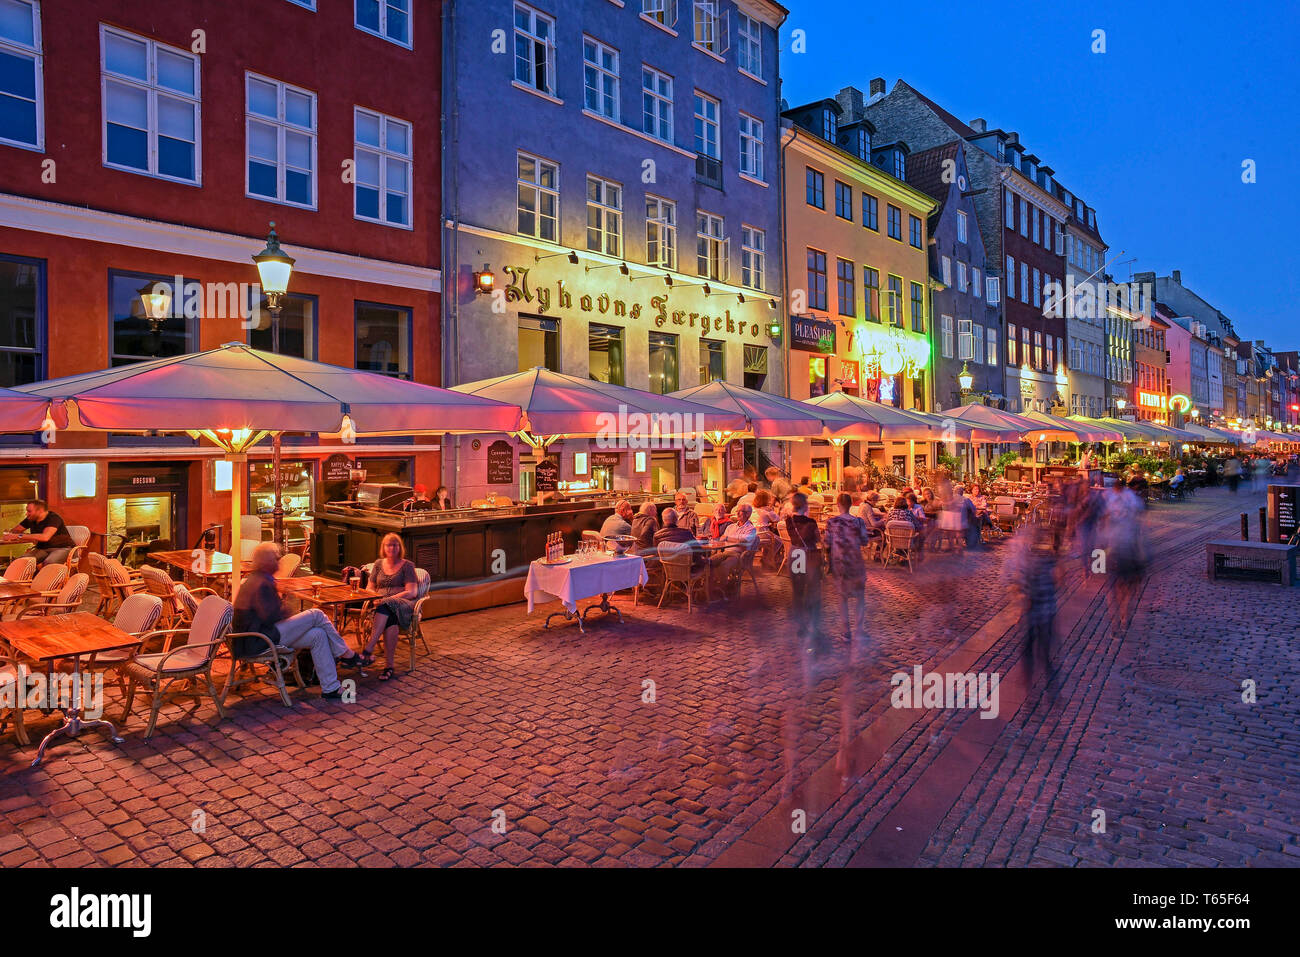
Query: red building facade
{"x": 144, "y": 142}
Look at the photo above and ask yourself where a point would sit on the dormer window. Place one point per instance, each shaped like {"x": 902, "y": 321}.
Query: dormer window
{"x": 900, "y": 165}
{"x": 830, "y": 126}
{"x": 864, "y": 144}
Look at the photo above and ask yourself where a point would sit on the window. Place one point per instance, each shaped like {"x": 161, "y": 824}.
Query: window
{"x": 539, "y": 343}
{"x": 895, "y": 301}
{"x": 604, "y": 216}
{"x": 965, "y": 339}
{"x": 753, "y": 248}
{"x": 918, "y": 307}
{"x": 814, "y": 188}
{"x": 1024, "y": 344}
{"x": 281, "y": 142}
{"x": 816, "y": 279}
{"x": 1036, "y": 220}
{"x": 1024, "y": 218}
{"x": 22, "y": 107}
{"x": 605, "y": 353}
{"x": 657, "y": 104}
{"x": 994, "y": 290}
{"x": 133, "y": 338}
{"x": 961, "y": 227}
{"x": 1011, "y": 344}
{"x": 870, "y": 212}
{"x": 384, "y": 339}
{"x": 755, "y": 367}
{"x": 895, "y": 218}
{"x": 151, "y": 106}
{"x": 383, "y": 173}
{"x": 749, "y": 45}
{"x": 830, "y": 126}
{"x": 1010, "y": 206}
{"x": 864, "y": 144}
{"x": 390, "y": 19}
{"x": 844, "y": 281}
{"x": 1011, "y": 278}
{"x": 975, "y": 287}
{"x": 992, "y": 343}
{"x": 945, "y": 327}
{"x": 914, "y": 230}
{"x": 751, "y": 146}
{"x": 293, "y": 334}
{"x": 962, "y": 281}
{"x": 713, "y": 365}
{"x": 708, "y": 162}
{"x": 22, "y": 321}
{"x": 1038, "y": 288}
{"x": 660, "y": 11}
{"x": 663, "y": 363}
{"x": 871, "y": 292}
{"x": 1049, "y": 364}
{"x": 843, "y": 201}
{"x": 900, "y": 166}
{"x": 945, "y": 270}
{"x": 1038, "y": 350}
{"x": 600, "y": 78}
{"x": 1024, "y": 284}
{"x": 534, "y": 49}
{"x": 818, "y": 376}
{"x": 309, "y": 4}
{"x": 709, "y": 26}
{"x": 711, "y": 249}
{"x": 661, "y": 232}
{"x": 539, "y": 198}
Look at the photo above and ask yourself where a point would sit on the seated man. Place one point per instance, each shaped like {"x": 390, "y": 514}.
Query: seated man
{"x": 644, "y": 526}
{"x": 620, "y": 523}
{"x": 45, "y": 532}
{"x": 686, "y": 514}
{"x": 1178, "y": 480}
{"x": 258, "y": 608}
{"x": 672, "y": 532}
{"x": 741, "y": 534}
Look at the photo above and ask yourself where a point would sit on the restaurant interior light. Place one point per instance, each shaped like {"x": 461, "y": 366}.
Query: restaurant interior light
{"x": 484, "y": 281}
{"x": 80, "y": 479}
{"x": 639, "y": 463}
{"x": 223, "y": 475}
{"x": 580, "y": 463}
{"x": 274, "y": 267}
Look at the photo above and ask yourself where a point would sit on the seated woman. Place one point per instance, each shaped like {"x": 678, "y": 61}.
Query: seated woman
{"x": 442, "y": 498}
{"x": 904, "y": 512}
{"x": 644, "y": 525}
{"x": 980, "y": 501}
{"x": 393, "y": 576}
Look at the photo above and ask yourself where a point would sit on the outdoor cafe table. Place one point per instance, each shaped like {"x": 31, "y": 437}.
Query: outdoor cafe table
{"x": 583, "y": 576}
{"x": 50, "y": 638}
{"x": 333, "y": 597}
{"x": 211, "y": 565}
{"x": 12, "y": 591}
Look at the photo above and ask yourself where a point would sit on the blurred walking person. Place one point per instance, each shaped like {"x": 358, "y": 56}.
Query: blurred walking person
{"x": 1032, "y": 569}
{"x": 1125, "y": 554}
{"x": 846, "y": 535}
{"x": 1232, "y": 472}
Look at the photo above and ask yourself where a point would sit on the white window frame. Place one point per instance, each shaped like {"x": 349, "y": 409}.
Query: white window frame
{"x": 1036, "y": 224}
{"x": 965, "y": 339}
{"x": 751, "y": 147}
{"x": 1038, "y": 288}
{"x": 1011, "y": 340}
{"x": 547, "y": 43}
{"x": 703, "y": 119}
{"x": 991, "y": 342}
{"x": 281, "y": 126}
{"x": 977, "y": 346}
{"x": 1011, "y": 277}
{"x": 661, "y": 231}
{"x": 610, "y": 215}
{"x": 1024, "y": 217}
{"x": 749, "y": 44}
{"x": 305, "y": 4}
{"x": 753, "y": 256}
{"x": 945, "y": 270}
{"x": 538, "y": 189}
{"x": 607, "y": 79}
{"x": 710, "y": 33}
{"x": 37, "y": 56}
{"x": 993, "y": 290}
{"x": 660, "y": 81}
{"x": 1009, "y": 214}
{"x": 383, "y": 22}
{"x": 963, "y": 281}
{"x": 1024, "y": 284}
{"x": 711, "y": 243}
{"x": 152, "y": 91}
{"x": 945, "y": 326}
{"x": 661, "y": 12}
{"x": 961, "y": 227}
{"x": 386, "y": 154}
{"x": 976, "y": 286}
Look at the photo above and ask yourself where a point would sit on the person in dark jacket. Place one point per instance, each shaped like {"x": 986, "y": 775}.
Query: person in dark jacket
{"x": 258, "y": 609}
{"x": 644, "y": 526}
{"x": 676, "y": 534}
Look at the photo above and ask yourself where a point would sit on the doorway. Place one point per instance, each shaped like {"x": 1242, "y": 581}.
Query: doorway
{"x": 146, "y": 505}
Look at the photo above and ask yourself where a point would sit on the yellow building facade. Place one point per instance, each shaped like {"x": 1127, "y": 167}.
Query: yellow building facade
{"x": 857, "y": 280}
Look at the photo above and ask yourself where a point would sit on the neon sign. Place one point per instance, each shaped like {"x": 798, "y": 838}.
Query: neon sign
{"x": 1179, "y": 403}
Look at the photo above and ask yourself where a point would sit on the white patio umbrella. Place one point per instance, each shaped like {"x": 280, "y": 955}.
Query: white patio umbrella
{"x": 235, "y": 396}
{"x": 894, "y": 424}
{"x": 20, "y": 412}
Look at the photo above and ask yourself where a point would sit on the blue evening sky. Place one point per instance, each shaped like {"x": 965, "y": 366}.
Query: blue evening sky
{"x": 1152, "y": 133}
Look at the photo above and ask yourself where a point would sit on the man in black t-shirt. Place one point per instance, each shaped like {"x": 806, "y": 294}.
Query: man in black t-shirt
{"x": 45, "y": 532}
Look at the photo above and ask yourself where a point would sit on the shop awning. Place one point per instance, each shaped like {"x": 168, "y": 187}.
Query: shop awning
{"x": 1053, "y": 428}
{"x": 891, "y": 424}
{"x": 768, "y": 416}
{"x": 21, "y": 412}
{"x": 1208, "y": 436}
{"x": 987, "y": 424}
{"x": 1131, "y": 431}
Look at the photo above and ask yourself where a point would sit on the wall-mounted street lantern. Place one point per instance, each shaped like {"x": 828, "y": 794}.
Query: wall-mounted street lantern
{"x": 274, "y": 267}
{"x": 484, "y": 281}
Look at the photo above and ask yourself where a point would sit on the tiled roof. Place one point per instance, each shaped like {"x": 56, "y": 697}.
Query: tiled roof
{"x": 925, "y": 170}
{"x": 961, "y": 129}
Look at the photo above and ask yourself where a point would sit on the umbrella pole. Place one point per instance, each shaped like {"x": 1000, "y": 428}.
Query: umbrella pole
{"x": 911, "y": 463}
{"x": 278, "y": 513}
{"x": 238, "y": 473}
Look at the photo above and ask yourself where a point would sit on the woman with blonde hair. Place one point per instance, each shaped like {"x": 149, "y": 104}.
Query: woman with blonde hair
{"x": 393, "y": 576}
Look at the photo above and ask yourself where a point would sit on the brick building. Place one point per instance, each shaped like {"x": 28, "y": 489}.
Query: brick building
{"x": 155, "y": 141}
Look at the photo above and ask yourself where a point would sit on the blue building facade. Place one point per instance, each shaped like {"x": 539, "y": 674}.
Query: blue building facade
{"x": 613, "y": 167}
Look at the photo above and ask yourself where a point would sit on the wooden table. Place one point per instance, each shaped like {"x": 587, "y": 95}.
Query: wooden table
{"x": 54, "y": 637}
{"x": 201, "y": 564}
{"x": 12, "y": 591}
{"x": 333, "y": 598}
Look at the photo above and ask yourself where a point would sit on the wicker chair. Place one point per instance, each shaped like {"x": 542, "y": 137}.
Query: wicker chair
{"x": 20, "y": 570}
{"x": 66, "y": 601}
{"x": 902, "y": 543}
{"x": 80, "y": 539}
{"x": 187, "y": 661}
{"x": 1004, "y": 514}
{"x": 675, "y": 559}
{"x": 47, "y": 582}
{"x": 138, "y": 615}
{"x": 120, "y": 583}
{"x": 13, "y": 698}
{"x": 288, "y": 565}
{"x": 277, "y": 658}
{"x": 414, "y": 631}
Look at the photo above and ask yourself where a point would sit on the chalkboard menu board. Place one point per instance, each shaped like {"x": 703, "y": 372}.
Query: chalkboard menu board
{"x": 337, "y": 468}
{"x": 548, "y": 475}
{"x": 1283, "y": 512}
{"x": 736, "y": 456}
{"x": 500, "y": 463}
{"x": 692, "y": 466}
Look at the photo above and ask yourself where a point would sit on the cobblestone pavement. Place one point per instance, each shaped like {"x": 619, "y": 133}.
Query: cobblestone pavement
{"x": 734, "y": 755}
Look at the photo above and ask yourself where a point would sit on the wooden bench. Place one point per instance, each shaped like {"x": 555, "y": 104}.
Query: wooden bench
{"x": 1251, "y": 561}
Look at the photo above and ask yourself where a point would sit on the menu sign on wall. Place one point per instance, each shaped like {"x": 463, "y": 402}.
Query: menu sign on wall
{"x": 500, "y": 463}
{"x": 736, "y": 456}
{"x": 606, "y": 459}
{"x": 337, "y": 468}
{"x": 812, "y": 335}
{"x": 1283, "y": 512}
{"x": 548, "y": 475}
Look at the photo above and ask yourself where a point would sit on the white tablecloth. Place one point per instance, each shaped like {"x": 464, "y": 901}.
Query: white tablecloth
{"x": 583, "y": 577}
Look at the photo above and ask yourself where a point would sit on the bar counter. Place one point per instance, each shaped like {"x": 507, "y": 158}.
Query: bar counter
{"x": 476, "y": 557}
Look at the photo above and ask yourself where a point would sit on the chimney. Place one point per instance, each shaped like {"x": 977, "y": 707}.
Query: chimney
{"x": 1178, "y": 276}
{"x": 1013, "y": 139}
{"x": 878, "y": 85}
{"x": 979, "y": 125}
{"x": 852, "y": 103}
